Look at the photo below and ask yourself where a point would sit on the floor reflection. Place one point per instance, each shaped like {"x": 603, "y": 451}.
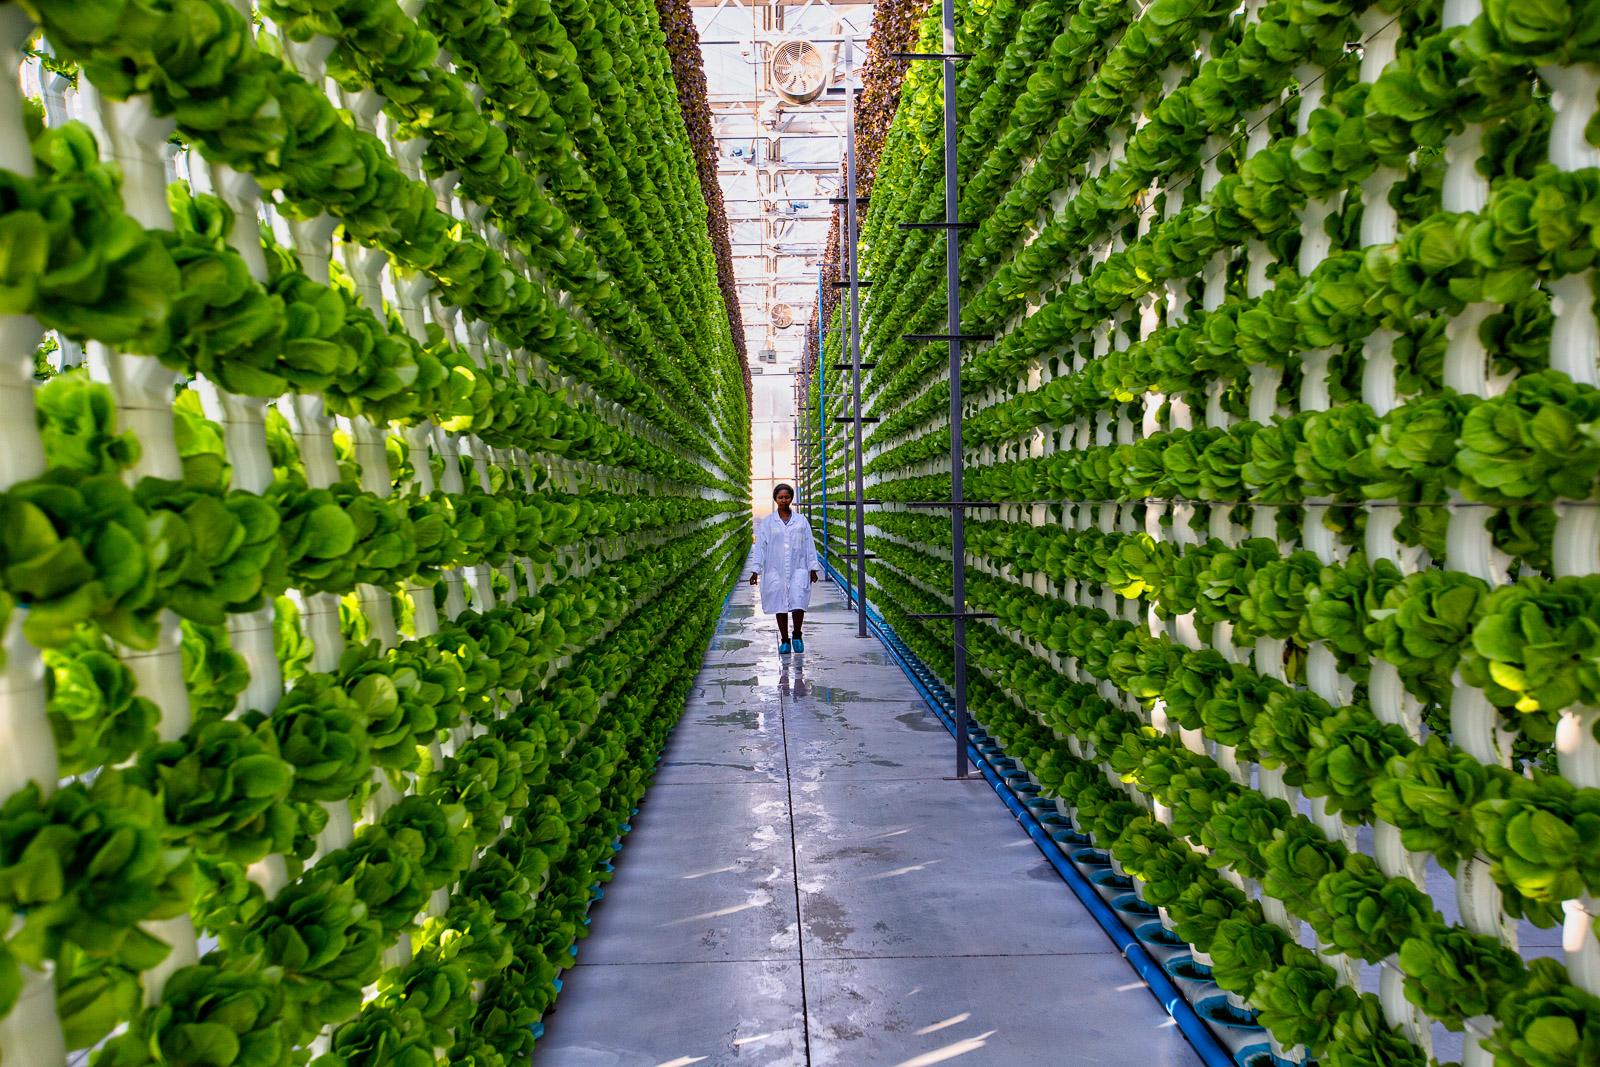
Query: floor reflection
{"x": 794, "y": 680}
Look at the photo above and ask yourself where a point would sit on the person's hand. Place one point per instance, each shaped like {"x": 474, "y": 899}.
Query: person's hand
{"x": 813, "y": 577}
{"x": 754, "y": 577}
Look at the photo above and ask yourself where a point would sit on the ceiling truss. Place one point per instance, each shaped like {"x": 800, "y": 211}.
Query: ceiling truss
{"x": 778, "y": 162}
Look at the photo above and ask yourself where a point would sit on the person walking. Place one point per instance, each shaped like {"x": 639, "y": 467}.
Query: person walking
{"x": 786, "y": 552}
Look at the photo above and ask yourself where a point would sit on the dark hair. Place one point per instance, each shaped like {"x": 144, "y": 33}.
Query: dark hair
{"x": 781, "y": 486}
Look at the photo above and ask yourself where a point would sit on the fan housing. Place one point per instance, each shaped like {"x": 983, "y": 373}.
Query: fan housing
{"x": 799, "y": 71}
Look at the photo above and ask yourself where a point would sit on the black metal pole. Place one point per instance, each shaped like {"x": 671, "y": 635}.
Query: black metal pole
{"x": 822, "y": 421}
{"x": 851, "y": 258}
{"x": 952, "y": 258}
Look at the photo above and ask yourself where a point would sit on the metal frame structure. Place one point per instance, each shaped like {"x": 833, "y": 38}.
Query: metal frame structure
{"x": 952, "y": 227}
{"x": 784, "y": 163}
{"x": 849, "y": 262}
{"x": 770, "y": 123}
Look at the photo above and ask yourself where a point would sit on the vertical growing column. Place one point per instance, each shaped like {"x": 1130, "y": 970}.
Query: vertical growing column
{"x": 1467, "y": 363}
{"x": 1575, "y": 335}
{"x": 366, "y": 441}
{"x": 1379, "y": 221}
{"x": 32, "y": 1031}
{"x": 243, "y": 422}
{"x": 1575, "y": 351}
{"x": 132, "y": 134}
{"x": 312, "y": 241}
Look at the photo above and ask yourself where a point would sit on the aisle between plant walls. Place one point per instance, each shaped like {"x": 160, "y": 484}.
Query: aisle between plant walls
{"x": 1287, "y": 434}
{"x": 350, "y": 589}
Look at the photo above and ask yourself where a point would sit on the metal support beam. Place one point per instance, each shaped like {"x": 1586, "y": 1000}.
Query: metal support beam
{"x": 727, "y": 165}
{"x": 822, "y": 422}
{"x": 774, "y": 135}
{"x": 952, "y": 256}
{"x": 851, "y": 210}
{"x": 952, "y": 259}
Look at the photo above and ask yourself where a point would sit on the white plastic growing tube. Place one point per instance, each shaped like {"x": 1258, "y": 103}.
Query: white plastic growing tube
{"x": 319, "y": 611}
{"x": 1465, "y": 189}
{"x": 1575, "y": 336}
{"x": 382, "y": 798}
{"x": 1216, "y": 278}
{"x": 1315, "y": 535}
{"x": 1272, "y": 785}
{"x": 28, "y": 751}
{"x": 1469, "y": 546}
{"x": 1481, "y": 902}
{"x": 1577, "y": 748}
{"x": 1277, "y": 913}
{"x": 371, "y": 455}
{"x": 313, "y": 431}
{"x": 1400, "y": 1012}
{"x": 1578, "y": 942}
{"x": 425, "y": 615}
{"x": 455, "y": 598}
{"x": 1377, "y": 378}
{"x": 1333, "y": 827}
{"x": 243, "y": 422}
{"x": 30, "y": 1034}
{"x": 177, "y": 932}
{"x": 16, "y": 153}
{"x": 143, "y": 388}
{"x": 1475, "y": 725}
{"x": 1314, "y": 395}
{"x": 1573, "y": 92}
{"x": 365, "y": 266}
{"x": 1344, "y": 968}
{"x": 1216, "y": 415}
{"x": 313, "y": 246}
{"x": 1580, "y": 762}
{"x": 1576, "y": 546}
{"x": 309, "y": 58}
{"x": 1314, "y": 242}
{"x": 1269, "y": 657}
{"x": 378, "y": 607}
{"x": 1473, "y": 1052}
{"x": 1264, "y": 383}
{"x": 373, "y": 460}
{"x": 1394, "y": 859}
{"x": 135, "y": 137}
{"x": 23, "y": 455}
{"x": 1381, "y": 36}
{"x": 1466, "y": 359}
{"x": 1391, "y": 703}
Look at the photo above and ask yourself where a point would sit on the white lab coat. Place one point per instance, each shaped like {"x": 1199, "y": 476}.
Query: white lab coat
{"x": 784, "y": 556}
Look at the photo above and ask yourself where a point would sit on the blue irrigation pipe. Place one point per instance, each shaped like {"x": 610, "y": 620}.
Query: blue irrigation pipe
{"x": 1199, "y": 1035}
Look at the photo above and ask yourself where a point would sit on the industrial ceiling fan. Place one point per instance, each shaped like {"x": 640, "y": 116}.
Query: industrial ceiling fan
{"x": 799, "y": 71}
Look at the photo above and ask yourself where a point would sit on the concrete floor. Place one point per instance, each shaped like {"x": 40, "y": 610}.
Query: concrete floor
{"x": 803, "y": 887}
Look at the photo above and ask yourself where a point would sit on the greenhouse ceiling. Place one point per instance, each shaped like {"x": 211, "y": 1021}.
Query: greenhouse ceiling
{"x": 779, "y": 161}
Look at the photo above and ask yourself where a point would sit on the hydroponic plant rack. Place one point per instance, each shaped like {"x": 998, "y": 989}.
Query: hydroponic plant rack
{"x": 349, "y": 592}
{"x": 1288, "y": 421}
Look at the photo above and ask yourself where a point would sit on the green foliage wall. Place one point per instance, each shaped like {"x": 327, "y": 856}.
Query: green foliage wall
{"x": 364, "y": 514}
{"x": 1289, "y": 430}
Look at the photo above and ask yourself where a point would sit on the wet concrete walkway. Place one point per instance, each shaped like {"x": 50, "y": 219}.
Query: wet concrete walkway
{"x": 803, "y": 887}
